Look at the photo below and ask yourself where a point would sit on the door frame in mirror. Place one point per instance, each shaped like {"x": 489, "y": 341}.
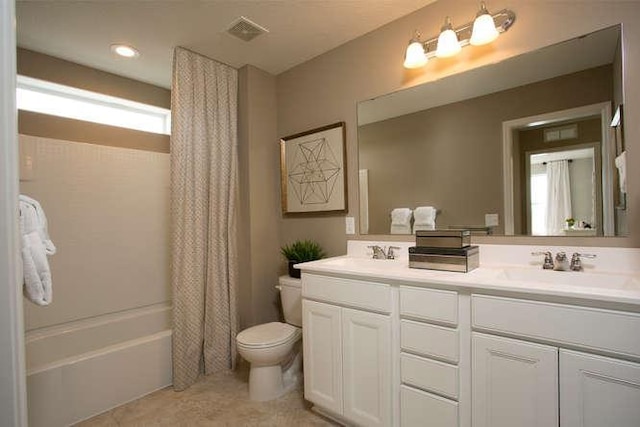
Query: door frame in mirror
{"x": 602, "y": 109}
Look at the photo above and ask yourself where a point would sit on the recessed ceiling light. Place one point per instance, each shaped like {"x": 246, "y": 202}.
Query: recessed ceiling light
{"x": 125, "y": 50}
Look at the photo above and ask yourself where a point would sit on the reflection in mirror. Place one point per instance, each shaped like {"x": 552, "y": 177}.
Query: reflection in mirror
{"x": 520, "y": 147}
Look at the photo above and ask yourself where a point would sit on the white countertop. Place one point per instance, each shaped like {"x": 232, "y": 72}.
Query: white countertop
{"x": 614, "y": 284}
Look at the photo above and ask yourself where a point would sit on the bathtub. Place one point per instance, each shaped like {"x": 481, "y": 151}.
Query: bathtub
{"x": 80, "y": 369}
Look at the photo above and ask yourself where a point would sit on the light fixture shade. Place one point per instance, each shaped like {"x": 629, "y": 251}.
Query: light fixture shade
{"x": 415, "y": 56}
{"x": 448, "y": 44}
{"x": 484, "y": 29}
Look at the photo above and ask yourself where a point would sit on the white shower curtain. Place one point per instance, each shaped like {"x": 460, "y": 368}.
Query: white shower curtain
{"x": 558, "y": 196}
{"x": 203, "y": 209}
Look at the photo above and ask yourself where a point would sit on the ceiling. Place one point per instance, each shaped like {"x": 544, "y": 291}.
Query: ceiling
{"x": 82, "y": 31}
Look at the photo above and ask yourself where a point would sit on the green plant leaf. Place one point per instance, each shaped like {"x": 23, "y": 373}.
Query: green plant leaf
{"x": 302, "y": 251}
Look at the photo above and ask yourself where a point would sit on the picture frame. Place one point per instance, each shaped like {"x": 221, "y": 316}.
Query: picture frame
{"x": 312, "y": 171}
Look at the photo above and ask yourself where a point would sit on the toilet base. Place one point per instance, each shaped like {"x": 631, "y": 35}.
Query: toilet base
{"x": 271, "y": 382}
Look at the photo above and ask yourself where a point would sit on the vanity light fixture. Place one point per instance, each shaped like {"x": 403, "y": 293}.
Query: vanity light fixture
{"x": 484, "y": 29}
{"x": 125, "y": 50}
{"x": 415, "y": 56}
{"x": 448, "y": 43}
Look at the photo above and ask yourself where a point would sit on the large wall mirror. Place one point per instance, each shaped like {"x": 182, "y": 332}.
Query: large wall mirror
{"x": 527, "y": 146}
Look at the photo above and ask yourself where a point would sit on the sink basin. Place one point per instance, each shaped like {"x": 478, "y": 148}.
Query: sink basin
{"x": 571, "y": 278}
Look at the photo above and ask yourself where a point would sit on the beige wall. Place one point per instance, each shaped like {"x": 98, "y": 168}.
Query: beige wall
{"x": 259, "y": 205}
{"x": 450, "y": 157}
{"x": 45, "y": 67}
{"x": 326, "y": 89}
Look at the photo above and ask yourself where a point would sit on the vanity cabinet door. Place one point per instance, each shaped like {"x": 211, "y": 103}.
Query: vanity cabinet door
{"x": 367, "y": 367}
{"x": 598, "y": 391}
{"x": 322, "y": 351}
{"x": 514, "y": 383}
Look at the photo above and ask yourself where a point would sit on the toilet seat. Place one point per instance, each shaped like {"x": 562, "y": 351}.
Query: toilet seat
{"x": 268, "y": 335}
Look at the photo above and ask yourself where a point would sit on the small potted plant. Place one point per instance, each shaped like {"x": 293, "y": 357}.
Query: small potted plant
{"x": 301, "y": 251}
{"x": 570, "y": 222}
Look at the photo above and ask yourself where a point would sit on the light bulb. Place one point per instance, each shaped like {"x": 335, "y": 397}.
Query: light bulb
{"x": 125, "y": 50}
{"x": 448, "y": 44}
{"x": 415, "y": 56}
{"x": 484, "y": 28}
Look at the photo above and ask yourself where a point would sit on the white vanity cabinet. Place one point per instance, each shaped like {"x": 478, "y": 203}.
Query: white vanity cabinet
{"x": 519, "y": 382}
{"x": 598, "y": 391}
{"x": 515, "y": 383}
{"x": 347, "y": 351}
{"x": 413, "y": 349}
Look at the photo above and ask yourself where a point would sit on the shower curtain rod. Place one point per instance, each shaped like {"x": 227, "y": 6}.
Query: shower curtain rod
{"x": 553, "y": 161}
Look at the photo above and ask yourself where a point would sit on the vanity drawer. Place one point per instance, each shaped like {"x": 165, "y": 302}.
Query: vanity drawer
{"x": 592, "y": 328}
{"x": 429, "y": 340}
{"x": 431, "y": 375}
{"x": 370, "y": 296}
{"x": 419, "y": 408}
{"x": 429, "y": 304}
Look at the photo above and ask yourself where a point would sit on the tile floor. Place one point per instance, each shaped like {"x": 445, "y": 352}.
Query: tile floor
{"x": 216, "y": 400}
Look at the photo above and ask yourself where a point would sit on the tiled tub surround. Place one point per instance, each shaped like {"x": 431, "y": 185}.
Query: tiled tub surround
{"x": 390, "y": 345}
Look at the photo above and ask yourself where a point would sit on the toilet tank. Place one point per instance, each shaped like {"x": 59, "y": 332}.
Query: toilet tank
{"x": 291, "y": 300}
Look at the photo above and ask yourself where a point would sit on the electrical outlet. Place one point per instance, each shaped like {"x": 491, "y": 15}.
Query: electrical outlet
{"x": 350, "y": 225}
{"x": 491, "y": 220}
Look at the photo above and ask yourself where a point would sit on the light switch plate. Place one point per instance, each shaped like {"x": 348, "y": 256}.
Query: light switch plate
{"x": 350, "y": 225}
{"x": 491, "y": 220}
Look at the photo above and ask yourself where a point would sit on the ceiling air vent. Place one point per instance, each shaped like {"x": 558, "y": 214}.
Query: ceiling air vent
{"x": 561, "y": 133}
{"x": 245, "y": 29}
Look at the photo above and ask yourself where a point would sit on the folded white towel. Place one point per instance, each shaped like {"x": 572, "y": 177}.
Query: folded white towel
{"x": 424, "y": 218}
{"x": 621, "y": 164}
{"x": 401, "y": 221}
{"x": 417, "y": 227}
{"x": 36, "y": 244}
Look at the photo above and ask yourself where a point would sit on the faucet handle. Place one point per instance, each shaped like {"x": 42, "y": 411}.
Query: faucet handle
{"x": 576, "y": 254}
{"x": 390, "y": 253}
{"x": 378, "y": 252}
{"x": 576, "y": 262}
{"x": 548, "y": 259}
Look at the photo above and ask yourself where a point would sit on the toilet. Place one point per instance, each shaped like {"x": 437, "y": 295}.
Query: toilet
{"x": 273, "y": 349}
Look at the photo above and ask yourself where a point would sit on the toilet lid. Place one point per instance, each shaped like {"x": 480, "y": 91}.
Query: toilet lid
{"x": 267, "y": 334}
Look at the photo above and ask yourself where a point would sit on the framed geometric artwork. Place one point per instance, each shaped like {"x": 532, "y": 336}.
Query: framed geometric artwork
{"x": 312, "y": 171}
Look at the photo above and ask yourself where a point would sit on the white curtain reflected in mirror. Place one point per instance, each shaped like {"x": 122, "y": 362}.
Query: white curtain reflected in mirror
{"x": 558, "y": 196}
{"x": 562, "y": 192}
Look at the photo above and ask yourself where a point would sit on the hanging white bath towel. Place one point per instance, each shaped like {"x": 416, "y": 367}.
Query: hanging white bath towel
{"x": 36, "y": 245}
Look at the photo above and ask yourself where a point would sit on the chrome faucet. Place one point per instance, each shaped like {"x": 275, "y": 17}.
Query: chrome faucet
{"x": 561, "y": 262}
{"x": 378, "y": 252}
{"x": 576, "y": 262}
